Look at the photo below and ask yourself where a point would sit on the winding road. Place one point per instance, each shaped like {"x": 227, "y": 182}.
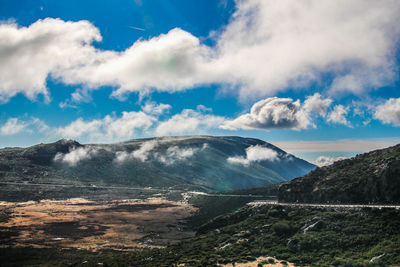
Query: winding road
{"x": 345, "y": 206}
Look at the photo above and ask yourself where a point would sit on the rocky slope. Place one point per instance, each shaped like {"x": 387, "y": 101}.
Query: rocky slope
{"x": 192, "y": 162}
{"x": 372, "y": 177}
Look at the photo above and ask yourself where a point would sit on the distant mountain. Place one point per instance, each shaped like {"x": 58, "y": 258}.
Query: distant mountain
{"x": 191, "y": 162}
{"x": 372, "y": 177}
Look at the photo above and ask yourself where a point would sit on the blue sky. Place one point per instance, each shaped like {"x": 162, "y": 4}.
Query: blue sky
{"x": 314, "y": 77}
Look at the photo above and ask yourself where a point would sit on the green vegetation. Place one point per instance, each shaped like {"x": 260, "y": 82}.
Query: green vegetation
{"x": 304, "y": 236}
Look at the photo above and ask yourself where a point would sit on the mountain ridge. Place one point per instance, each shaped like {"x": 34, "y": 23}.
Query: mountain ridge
{"x": 372, "y": 177}
{"x": 157, "y": 162}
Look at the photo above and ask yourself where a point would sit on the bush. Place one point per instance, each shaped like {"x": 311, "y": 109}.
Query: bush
{"x": 282, "y": 228}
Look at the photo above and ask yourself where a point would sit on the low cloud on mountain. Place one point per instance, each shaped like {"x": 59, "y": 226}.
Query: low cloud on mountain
{"x": 149, "y": 151}
{"x": 325, "y": 161}
{"x": 76, "y": 155}
{"x": 255, "y": 154}
{"x": 141, "y": 154}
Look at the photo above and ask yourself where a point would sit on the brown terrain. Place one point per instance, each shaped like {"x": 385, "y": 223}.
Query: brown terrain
{"x": 95, "y": 225}
{"x": 265, "y": 261}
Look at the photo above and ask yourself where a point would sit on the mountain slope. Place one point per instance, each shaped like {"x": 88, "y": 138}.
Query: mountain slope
{"x": 192, "y": 162}
{"x": 372, "y": 177}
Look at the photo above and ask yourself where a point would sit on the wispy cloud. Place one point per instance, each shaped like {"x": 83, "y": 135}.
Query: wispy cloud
{"x": 136, "y": 28}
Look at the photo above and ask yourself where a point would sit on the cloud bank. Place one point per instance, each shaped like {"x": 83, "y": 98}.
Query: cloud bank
{"x": 268, "y": 46}
{"x": 255, "y": 154}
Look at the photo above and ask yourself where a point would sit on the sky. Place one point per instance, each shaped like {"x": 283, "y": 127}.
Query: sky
{"x": 319, "y": 79}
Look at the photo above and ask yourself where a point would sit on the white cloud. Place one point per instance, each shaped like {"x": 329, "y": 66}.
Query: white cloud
{"x": 315, "y": 103}
{"x": 325, "y": 161}
{"x": 76, "y": 155}
{"x": 255, "y": 154}
{"x": 28, "y": 55}
{"x": 13, "y": 126}
{"x": 108, "y": 129}
{"x": 266, "y": 47}
{"x": 169, "y": 62}
{"x": 169, "y": 157}
{"x": 141, "y": 154}
{"x": 272, "y": 45}
{"x": 389, "y": 112}
{"x": 338, "y": 115}
{"x": 188, "y": 121}
{"x": 156, "y": 109}
{"x": 122, "y": 156}
{"x": 175, "y": 153}
{"x": 280, "y": 113}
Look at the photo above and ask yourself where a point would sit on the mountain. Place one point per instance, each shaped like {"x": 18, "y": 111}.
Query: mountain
{"x": 191, "y": 162}
{"x": 372, "y": 177}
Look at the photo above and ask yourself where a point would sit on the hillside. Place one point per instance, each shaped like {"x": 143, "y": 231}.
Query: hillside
{"x": 303, "y": 236}
{"x": 192, "y": 162}
{"x": 372, "y": 177}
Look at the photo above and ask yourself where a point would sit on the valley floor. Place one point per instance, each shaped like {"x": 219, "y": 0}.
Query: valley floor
{"x": 96, "y": 225}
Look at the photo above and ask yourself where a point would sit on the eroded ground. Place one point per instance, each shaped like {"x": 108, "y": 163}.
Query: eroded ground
{"x": 95, "y": 225}
{"x": 264, "y": 261}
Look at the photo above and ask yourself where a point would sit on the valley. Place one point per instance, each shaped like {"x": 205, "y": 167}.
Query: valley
{"x": 63, "y": 221}
{"x": 122, "y": 225}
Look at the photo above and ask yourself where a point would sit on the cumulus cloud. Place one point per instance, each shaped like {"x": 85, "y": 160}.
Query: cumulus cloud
{"x": 188, "y": 121}
{"x": 15, "y": 126}
{"x": 266, "y": 47}
{"x": 315, "y": 103}
{"x": 110, "y": 128}
{"x": 28, "y": 55}
{"x": 76, "y": 155}
{"x": 389, "y": 112}
{"x": 270, "y": 46}
{"x": 255, "y": 154}
{"x": 338, "y": 115}
{"x": 325, "y": 161}
{"x": 280, "y": 113}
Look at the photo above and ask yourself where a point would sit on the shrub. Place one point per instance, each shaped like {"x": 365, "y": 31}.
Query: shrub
{"x": 282, "y": 228}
